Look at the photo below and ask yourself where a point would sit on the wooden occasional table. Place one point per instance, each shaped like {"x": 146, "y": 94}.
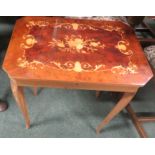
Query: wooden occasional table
{"x": 75, "y": 54}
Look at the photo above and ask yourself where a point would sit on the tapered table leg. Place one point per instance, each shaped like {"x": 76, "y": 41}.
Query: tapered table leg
{"x": 123, "y": 102}
{"x": 35, "y": 90}
{"x": 98, "y": 94}
{"x": 19, "y": 97}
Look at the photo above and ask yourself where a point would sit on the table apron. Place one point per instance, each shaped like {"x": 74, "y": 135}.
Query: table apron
{"x": 75, "y": 85}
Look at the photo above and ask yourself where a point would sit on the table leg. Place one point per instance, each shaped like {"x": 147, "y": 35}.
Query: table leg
{"x": 98, "y": 94}
{"x": 19, "y": 97}
{"x": 35, "y": 91}
{"x": 122, "y": 103}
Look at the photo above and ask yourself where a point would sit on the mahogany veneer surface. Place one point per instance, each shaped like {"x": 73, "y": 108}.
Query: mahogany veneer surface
{"x": 76, "y": 50}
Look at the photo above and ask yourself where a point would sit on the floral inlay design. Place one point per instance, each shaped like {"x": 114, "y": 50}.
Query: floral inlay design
{"x": 76, "y": 44}
{"x": 76, "y": 47}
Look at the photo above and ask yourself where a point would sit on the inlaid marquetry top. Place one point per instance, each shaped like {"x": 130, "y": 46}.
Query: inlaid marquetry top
{"x": 61, "y": 49}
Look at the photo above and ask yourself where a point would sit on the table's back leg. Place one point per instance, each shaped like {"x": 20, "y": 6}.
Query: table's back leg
{"x": 98, "y": 94}
{"x": 123, "y": 102}
{"x": 35, "y": 91}
{"x": 19, "y": 97}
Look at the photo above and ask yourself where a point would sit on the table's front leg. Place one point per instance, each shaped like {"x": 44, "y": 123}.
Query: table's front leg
{"x": 122, "y": 103}
{"x": 19, "y": 97}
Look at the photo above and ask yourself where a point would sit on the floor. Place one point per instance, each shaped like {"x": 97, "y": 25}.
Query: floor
{"x": 71, "y": 113}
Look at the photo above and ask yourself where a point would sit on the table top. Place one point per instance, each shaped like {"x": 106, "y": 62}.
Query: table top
{"x": 76, "y": 50}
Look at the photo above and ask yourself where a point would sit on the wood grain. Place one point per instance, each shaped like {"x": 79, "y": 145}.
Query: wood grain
{"x": 124, "y": 101}
{"x": 20, "y": 100}
{"x": 75, "y": 54}
{"x": 74, "y": 50}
